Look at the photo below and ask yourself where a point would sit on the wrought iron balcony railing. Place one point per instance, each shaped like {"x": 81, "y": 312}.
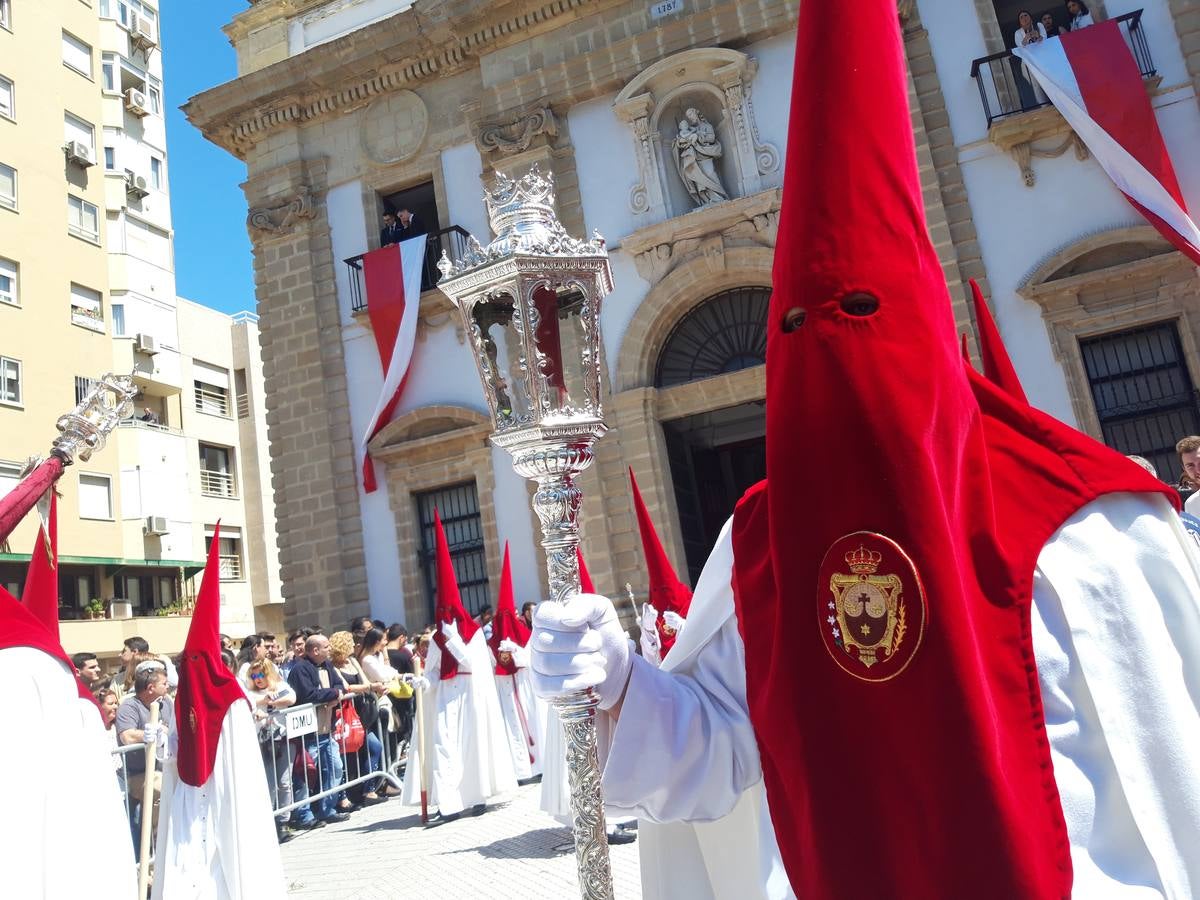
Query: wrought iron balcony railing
{"x": 452, "y": 239}
{"x": 217, "y": 484}
{"x": 1006, "y": 88}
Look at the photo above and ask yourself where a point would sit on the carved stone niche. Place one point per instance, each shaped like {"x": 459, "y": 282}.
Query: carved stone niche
{"x": 715, "y": 82}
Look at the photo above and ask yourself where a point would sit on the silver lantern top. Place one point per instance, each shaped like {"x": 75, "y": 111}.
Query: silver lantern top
{"x": 530, "y": 303}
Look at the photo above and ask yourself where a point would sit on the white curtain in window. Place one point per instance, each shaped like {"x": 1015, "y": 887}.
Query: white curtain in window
{"x": 95, "y": 497}
{"x": 77, "y": 54}
{"x": 8, "y": 477}
{"x": 76, "y": 129}
{"x": 8, "y": 183}
{"x": 212, "y": 375}
{"x": 8, "y": 281}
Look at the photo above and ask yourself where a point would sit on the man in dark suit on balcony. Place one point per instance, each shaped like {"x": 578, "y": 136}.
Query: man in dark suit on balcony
{"x": 410, "y": 225}
{"x": 390, "y": 233}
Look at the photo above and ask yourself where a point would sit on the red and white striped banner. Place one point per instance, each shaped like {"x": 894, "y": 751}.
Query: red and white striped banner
{"x": 1093, "y": 80}
{"x": 392, "y": 279}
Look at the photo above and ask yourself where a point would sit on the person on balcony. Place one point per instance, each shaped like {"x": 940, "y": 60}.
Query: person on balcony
{"x": 390, "y": 233}
{"x": 1081, "y": 17}
{"x": 1027, "y": 34}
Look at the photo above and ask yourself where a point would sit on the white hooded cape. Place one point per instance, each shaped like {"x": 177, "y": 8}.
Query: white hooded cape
{"x": 1116, "y": 632}
{"x": 217, "y": 841}
{"x": 65, "y": 832}
{"x": 524, "y": 719}
{"x": 470, "y": 760}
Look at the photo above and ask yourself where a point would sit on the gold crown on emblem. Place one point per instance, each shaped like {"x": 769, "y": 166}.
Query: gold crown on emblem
{"x": 863, "y": 561}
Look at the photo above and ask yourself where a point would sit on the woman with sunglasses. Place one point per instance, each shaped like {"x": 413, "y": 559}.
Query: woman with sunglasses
{"x": 268, "y": 693}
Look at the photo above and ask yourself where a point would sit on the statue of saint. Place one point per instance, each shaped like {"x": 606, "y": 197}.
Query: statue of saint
{"x": 696, "y": 152}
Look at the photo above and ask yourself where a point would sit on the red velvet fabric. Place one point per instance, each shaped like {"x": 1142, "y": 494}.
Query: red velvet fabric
{"x": 996, "y": 365}
{"x": 930, "y": 780}
{"x": 41, "y": 579}
{"x": 449, "y": 609}
{"x": 666, "y": 592}
{"x": 506, "y": 624}
{"x": 585, "y": 577}
{"x": 206, "y": 686}
{"x": 17, "y": 502}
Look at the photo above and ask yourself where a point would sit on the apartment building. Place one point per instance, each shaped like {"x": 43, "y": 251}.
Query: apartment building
{"x": 83, "y": 137}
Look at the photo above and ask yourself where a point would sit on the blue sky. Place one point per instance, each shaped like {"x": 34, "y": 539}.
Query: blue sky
{"x": 212, "y": 251}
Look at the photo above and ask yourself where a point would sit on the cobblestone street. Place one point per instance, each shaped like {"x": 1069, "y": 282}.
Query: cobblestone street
{"x": 514, "y": 850}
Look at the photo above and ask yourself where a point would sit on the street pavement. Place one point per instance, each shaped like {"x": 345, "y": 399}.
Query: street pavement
{"x": 513, "y": 850}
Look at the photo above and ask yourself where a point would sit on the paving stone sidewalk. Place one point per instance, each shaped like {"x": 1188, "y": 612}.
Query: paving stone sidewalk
{"x": 384, "y": 852}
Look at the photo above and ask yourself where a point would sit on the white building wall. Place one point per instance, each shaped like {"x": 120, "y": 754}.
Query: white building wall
{"x": 442, "y": 369}
{"x": 1020, "y": 227}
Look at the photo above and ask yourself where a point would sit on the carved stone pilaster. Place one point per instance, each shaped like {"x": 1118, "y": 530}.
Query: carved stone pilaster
{"x": 281, "y": 217}
{"x": 647, "y": 195}
{"x": 516, "y": 135}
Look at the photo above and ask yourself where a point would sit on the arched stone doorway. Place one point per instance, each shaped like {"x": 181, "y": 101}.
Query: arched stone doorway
{"x": 717, "y": 453}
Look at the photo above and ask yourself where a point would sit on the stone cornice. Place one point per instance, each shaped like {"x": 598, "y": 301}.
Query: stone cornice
{"x": 430, "y": 40}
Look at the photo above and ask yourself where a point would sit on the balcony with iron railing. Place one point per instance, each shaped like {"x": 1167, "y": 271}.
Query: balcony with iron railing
{"x": 1006, "y": 90}
{"x": 453, "y": 240}
{"x": 230, "y": 567}
{"x": 212, "y": 402}
{"x": 217, "y": 484}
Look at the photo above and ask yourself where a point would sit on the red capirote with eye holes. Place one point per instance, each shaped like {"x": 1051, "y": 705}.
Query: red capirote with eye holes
{"x": 883, "y": 571}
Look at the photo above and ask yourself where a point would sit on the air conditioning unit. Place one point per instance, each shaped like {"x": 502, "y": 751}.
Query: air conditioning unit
{"x": 145, "y": 343}
{"x": 136, "y": 103}
{"x": 155, "y": 525}
{"x": 141, "y": 33}
{"x": 136, "y": 185}
{"x": 79, "y": 153}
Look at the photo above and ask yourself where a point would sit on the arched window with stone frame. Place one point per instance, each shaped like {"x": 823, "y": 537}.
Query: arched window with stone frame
{"x": 1123, "y": 313}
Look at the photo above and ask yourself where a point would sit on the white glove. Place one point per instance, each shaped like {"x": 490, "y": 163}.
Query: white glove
{"x": 420, "y": 683}
{"x": 579, "y": 645}
{"x": 648, "y": 625}
{"x": 150, "y": 734}
{"x": 674, "y": 621}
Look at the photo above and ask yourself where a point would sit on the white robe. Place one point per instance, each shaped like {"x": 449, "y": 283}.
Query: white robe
{"x": 1116, "y": 633}
{"x": 217, "y": 841}
{"x": 65, "y": 832}
{"x": 469, "y": 757}
{"x": 524, "y": 725}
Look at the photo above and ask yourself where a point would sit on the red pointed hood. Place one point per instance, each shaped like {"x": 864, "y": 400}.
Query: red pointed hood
{"x": 449, "y": 608}
{"x": 996, "y": 364}
{"x": 19, "y": 627}
{"x": 506, "y": 625}
{"x": 206, "y": 686}
{"x": 41, "y": 581}
{"x": 666, "y": 593}
{"x": 884, "y": 474}
{"x": 585, "y": 577}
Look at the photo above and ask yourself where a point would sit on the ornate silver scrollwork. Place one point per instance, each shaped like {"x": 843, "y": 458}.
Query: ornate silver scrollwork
{"x": 84, "y": 429}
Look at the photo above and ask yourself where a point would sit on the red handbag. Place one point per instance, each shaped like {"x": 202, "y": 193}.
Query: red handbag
{"x": 348, "y": 731}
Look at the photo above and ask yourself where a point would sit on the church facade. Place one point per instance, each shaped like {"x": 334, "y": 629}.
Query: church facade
{"x": 664, "y": 126}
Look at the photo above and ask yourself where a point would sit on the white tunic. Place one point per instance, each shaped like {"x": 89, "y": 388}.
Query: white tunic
{"x": 1116, "y": 632}
{"x": 217, "y": 841}
{"x": 65, "y": 832}
{"x": 524, "y": 720}
{"x": 469, "y": 757}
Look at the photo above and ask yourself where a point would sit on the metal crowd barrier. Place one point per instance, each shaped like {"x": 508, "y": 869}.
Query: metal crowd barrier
{"x": 296, "y": 732}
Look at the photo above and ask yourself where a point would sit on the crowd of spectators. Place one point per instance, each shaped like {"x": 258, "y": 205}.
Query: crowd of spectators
{"x": 368, "y": 667}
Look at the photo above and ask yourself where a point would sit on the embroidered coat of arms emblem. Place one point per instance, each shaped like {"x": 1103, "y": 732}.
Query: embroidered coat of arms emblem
{"x": 871, "y": 610}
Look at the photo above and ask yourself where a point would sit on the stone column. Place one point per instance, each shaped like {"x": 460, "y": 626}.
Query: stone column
{"x": 313, "y": 464}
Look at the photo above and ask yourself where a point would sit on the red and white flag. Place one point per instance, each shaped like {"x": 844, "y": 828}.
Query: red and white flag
{"x": 1091, "y": 77}
{"x": 392, "y": 278}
